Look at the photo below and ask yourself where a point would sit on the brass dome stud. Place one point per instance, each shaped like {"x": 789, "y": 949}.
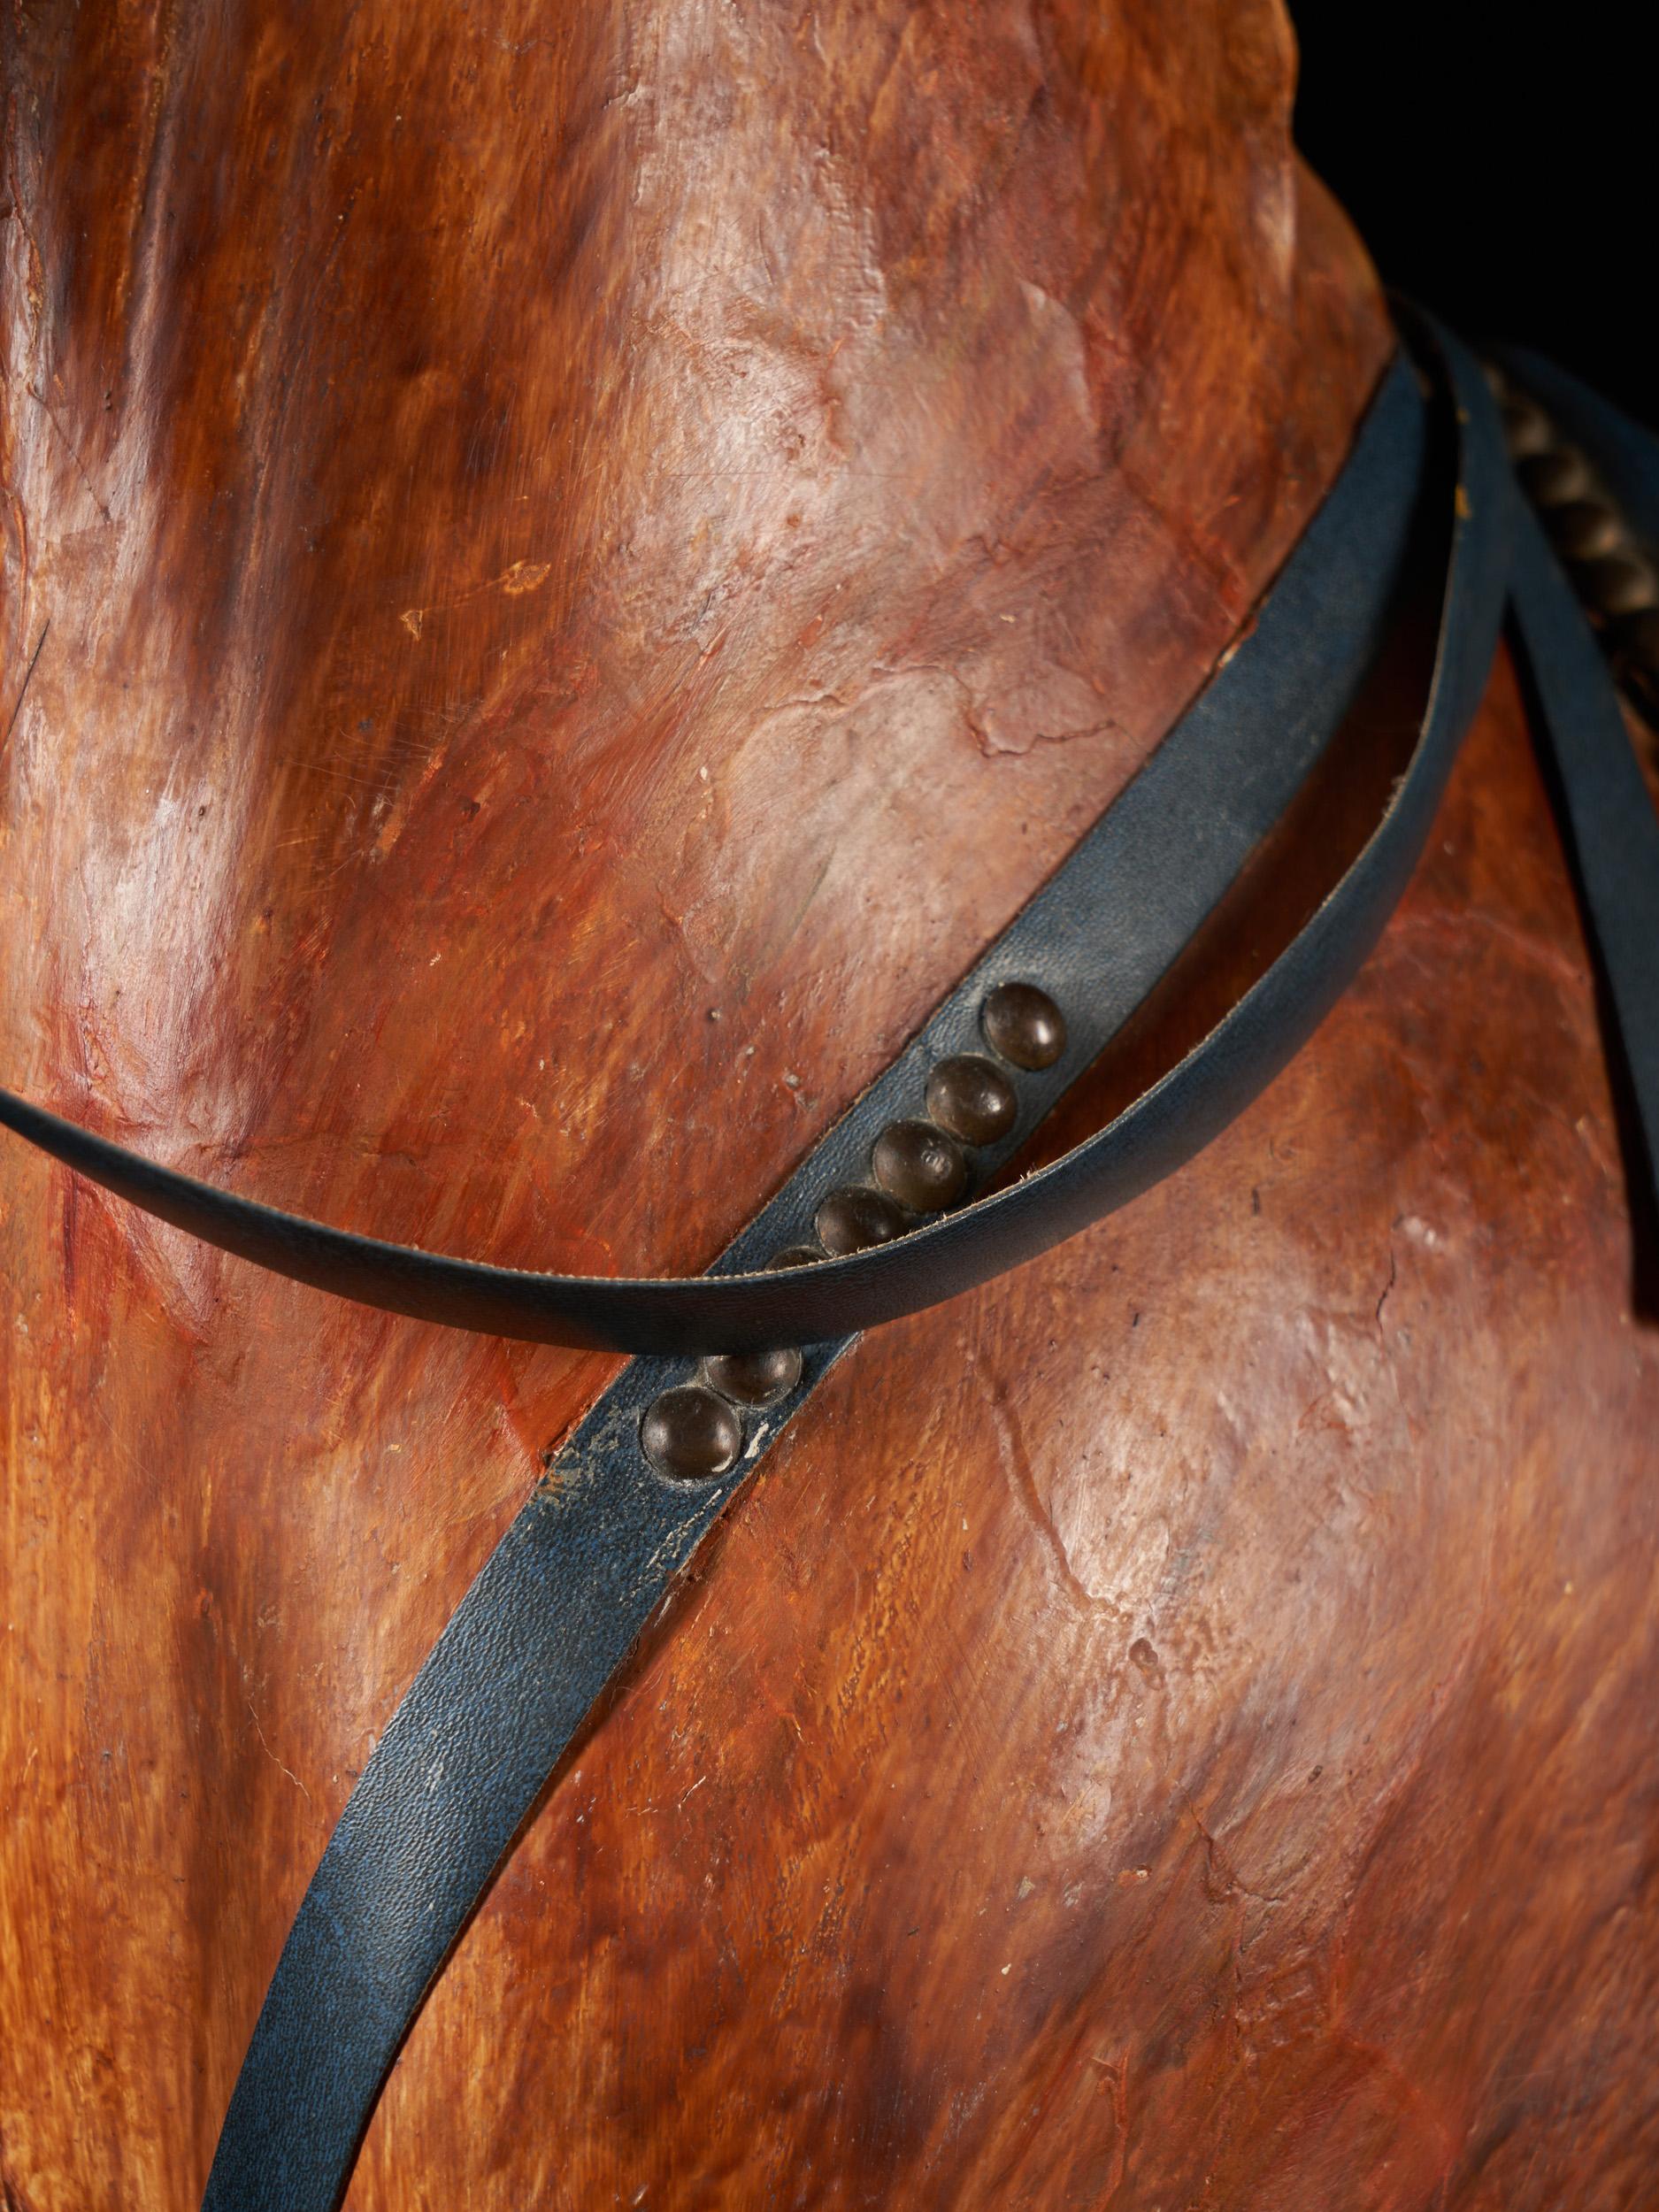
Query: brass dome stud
{"x": 921, "y": 1165}
{"x": 1024, "y": 1025}
{"x": 753, "y": 1378}
{"x": 970, "y": 1096}
{"x": 856, "y": 1217}
{"x": 689, "y": 1434}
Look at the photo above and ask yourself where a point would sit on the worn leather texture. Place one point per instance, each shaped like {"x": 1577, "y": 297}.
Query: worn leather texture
{"x": 1103, "y": 930}
{"x": 1602, "y": 806}
{"x": 1601, "y": 798}
{"x": 579, "y": 1574}
{"x": 1624, "y": 453}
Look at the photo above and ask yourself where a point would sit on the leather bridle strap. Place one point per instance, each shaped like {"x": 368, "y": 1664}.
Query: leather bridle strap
{"x": 1103, "y": 930}
{"x": 1602, "y": 802}
{"x": 1625, "y": 454}
{"x": 555, "y": 1609}
{"x": 1606, "y": 817}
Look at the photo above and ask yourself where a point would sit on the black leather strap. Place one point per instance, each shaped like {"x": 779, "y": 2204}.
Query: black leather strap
{"x": 1602, "y": 801}
{"x": 1100, "y": 934}
{"x": 564, "y": 1597}
{"x": 1626, "y": 455}
{"x": 1605, "y": 810}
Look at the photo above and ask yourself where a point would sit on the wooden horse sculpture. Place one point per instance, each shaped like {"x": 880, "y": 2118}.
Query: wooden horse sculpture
{"x": 565, "y": 573}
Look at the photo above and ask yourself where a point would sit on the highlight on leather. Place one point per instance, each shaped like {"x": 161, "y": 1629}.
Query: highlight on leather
{"x": 1304, "y": 656}
{"x": 557, "y": 1606}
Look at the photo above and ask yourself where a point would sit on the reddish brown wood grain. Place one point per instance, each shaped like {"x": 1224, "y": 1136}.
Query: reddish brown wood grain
{"x": 574, "y": 569}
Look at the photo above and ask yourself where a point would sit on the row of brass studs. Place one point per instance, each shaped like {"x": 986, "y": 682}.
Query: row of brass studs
{"x": 1613, "y": 576}
{"x": 693, "y": 1431}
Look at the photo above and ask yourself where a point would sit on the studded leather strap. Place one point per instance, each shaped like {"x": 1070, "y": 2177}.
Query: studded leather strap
{"x": 566, "y": 1595}
{"x": 1607, "y": 819}
{"x": 556, "y": 1608}
{"x": 1103, "y": 932}
{"x": 1622, "y": 452}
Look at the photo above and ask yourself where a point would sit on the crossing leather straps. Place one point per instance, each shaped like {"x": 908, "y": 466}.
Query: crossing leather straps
{"x": 557, "y": 1607}
{"x": 1098, "y": 935}
{"x": 1605, "y": 815}
{"x": 1601, "y": 798}
{"x": 1626, "y": 455}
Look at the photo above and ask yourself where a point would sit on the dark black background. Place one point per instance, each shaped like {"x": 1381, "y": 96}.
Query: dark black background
{"x": 1503, "y": 165}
